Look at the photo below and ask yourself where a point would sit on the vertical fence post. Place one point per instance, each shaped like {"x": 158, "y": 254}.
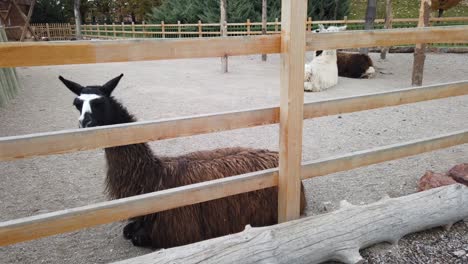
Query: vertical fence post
{"x": 293, "y": 15}
{"x": 133, "y": 29}
{"x": 178, "y": 28}
{"x": 248, "y": 26}
{"x": 420, "y": 49}
{"x": 309, "y": 24}
{"x": 345, "y": 20}
{"x": 98, "y": 31}
{"x": 224, "y": 59}
{"x": 264, "y": 23}
{"x": 163, "y": 30}
{"x": 48, "y": 31}
{"x": 223, "y": 32}
{"x": 143, "y": 29}
{"x": 388, "y": 25}
{"x": 70, "y": 33}
{"x": 105, "y": 30}
{"x": 276, "y": 25}
{"x": 200, "y": 34}
{"x": 123, "y": 29}
{"x": 113, "y": 30}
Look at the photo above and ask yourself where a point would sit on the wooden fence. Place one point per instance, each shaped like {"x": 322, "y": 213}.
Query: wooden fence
{"x": 163, "y": 30}
{"x": 53, "y": 31}
{"x": 65, "y": 31}
{"x": 290, "y": 114}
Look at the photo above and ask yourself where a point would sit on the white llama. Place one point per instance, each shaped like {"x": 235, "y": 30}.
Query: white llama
{"x": 322, "y": 72}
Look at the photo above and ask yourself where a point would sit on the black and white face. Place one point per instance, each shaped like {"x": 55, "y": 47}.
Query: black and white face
{"x": 92, "y": 109}
{"x": 93, "y": 102}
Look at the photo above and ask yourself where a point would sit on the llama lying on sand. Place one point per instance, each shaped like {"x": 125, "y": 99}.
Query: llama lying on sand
{"x": 133, "y": 170}
{"x": 355, "y": 65}
{"x": 322, "y": 72}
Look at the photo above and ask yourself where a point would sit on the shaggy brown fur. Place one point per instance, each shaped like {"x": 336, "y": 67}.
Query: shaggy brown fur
{"x": 135, "y": 170}
{"x": 353, "y": 65}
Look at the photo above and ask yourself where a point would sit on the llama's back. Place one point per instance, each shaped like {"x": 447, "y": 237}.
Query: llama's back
{"x": 355, "y": 65}
{"x": 222, "y": 216}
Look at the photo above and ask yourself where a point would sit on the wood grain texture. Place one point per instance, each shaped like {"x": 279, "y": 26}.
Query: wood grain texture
{"x": 102, "y": 51}
{"x": 293, "y": 16}
{"x": 380, "y": 154}
{"x": 420, "y": 49}
{"x": 81, "y": 52}
{"x": 387, "y": 37}
{"x": 18, "y": 147}
{"x": 38, "y": 226}
{"x": 333, "y": 236}
{"x": 68, "y": 220}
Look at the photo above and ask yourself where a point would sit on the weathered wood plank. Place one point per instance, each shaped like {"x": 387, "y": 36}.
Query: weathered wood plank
{"x": 34, "y": 227}
{"x": 293, "y": 16}
{"x": 380, "y": 154}
{"x": 420, "y": 49}
{"x": 387, "y": 37}
{"x": 333, "y": 236}
{"x": 81, "y": 52}
{"x": 17, "y": 147}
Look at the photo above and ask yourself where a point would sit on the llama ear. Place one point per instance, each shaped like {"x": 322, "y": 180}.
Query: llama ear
{"x": 72, "y": 86}
{"x": 110, "y": 85}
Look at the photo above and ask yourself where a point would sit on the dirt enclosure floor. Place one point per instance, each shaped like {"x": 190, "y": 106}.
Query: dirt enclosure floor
{"x": 163, "y": 89}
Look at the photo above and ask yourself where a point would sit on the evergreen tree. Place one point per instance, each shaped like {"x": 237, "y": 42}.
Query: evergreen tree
{"x": 190, "y": 11}
{"x": 49, "y": 11}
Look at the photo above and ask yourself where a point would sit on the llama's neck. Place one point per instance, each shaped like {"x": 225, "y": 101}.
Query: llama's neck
{"x": 127, "y": 165}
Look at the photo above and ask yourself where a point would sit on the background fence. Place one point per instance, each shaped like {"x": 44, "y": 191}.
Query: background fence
{"x": 65, "y": 31}
{"x": 53, "y": 31}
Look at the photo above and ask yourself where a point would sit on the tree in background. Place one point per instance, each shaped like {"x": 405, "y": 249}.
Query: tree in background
{"x": 76, "y": 10}
{"x": 190, "y": 11}
{"x": 443, "y": 5}
{"x": 49, "y": 11}
{"x": 371, "y": 12}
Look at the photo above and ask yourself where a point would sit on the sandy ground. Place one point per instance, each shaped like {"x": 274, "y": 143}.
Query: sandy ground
{"x": 162, "y": 89}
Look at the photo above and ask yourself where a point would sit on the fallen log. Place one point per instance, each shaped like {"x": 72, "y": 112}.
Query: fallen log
{"x": 333, "y": 236}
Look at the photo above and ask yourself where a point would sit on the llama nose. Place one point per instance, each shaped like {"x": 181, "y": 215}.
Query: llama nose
{"x": 86, "y": 121}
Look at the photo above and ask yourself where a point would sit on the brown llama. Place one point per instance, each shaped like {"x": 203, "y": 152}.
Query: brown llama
{"x": 355, "y": 65}
{"x": 134, "y": 169}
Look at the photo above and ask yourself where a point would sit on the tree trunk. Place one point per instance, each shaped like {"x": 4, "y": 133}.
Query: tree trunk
{"x": 370, "y": 17}
{"x": 264, "y": 23}
{"x": 441, "y": 12}
{"x": 388, "y": 25}
{"x": 223, "y": 29}
{"x": 76, "y": 10}
{"x": 333, "y": 236}
{"x": 420, "y": 49}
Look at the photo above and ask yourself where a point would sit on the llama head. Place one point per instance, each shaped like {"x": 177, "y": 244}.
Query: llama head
{"x": 96, "y": 105}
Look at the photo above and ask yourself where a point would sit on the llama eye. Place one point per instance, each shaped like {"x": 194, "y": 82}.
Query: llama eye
{"x": 78, "y": 104}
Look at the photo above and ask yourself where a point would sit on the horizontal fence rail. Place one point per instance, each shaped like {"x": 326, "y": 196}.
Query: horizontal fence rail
{"x": 17, "y": 147}
{"x": 81, "y": 52}
{"x": 383, "y": 38}
{"x": 179, "y": 30}
{"x": 29, "y": 228}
